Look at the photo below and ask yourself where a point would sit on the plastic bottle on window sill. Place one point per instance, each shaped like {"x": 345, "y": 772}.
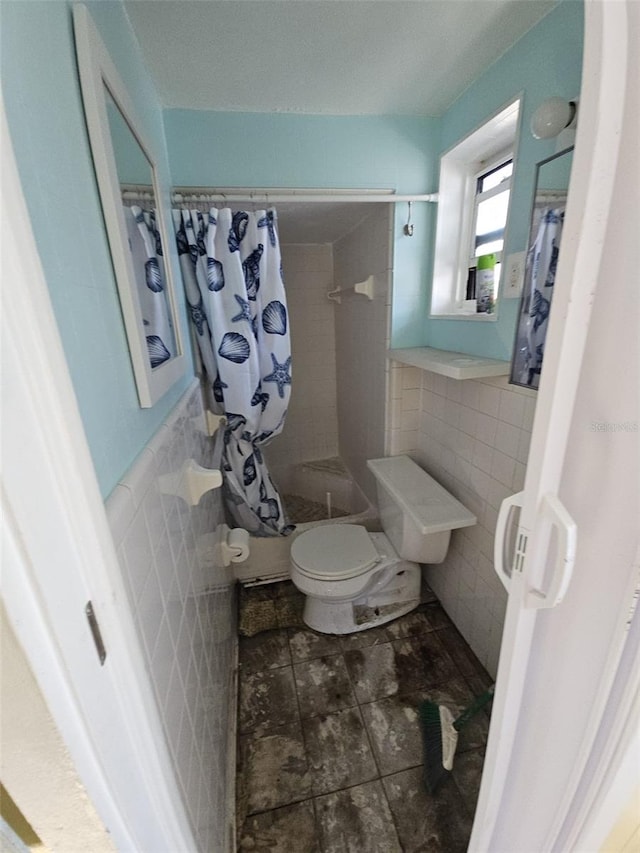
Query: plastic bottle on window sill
{"x": 485, "y": 283}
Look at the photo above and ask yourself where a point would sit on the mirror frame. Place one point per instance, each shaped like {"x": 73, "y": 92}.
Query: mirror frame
{"x": 97, "y": 71}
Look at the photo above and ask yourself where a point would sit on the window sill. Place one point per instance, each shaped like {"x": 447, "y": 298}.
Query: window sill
{"x": 455, "y": 365}
{"x": 461, "y": 315}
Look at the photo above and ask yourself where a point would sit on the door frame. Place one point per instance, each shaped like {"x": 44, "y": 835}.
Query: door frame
{"x": 602, "y": 108}
{"x": 61, "y": 555}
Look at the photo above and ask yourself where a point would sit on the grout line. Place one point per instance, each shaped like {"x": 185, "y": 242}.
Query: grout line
{"x": 282, "y": 806}
{"x": 347, "y": 788}
{"x": 302, "y": 734}
{"x": 364, "y": 722}
{"x": 404, "y": 769}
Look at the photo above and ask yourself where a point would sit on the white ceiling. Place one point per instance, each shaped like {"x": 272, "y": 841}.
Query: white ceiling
{"x": 324, "y": 57}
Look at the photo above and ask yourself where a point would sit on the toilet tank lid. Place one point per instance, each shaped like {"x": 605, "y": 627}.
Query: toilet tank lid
{"x": 430, "y": 506}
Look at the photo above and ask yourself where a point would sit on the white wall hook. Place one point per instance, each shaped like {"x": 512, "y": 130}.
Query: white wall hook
{"x": 191, "y": 482}
{"x": 365, "y": 288}
{"x": 408, "y": 228}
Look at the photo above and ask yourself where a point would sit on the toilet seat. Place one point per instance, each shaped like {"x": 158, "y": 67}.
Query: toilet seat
{"x": 334, "y": 552}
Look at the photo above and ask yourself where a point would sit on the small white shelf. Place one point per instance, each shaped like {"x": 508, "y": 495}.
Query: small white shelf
{"x": 455, "y": 365}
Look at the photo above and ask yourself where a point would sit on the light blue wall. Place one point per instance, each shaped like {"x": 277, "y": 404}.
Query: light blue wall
{"x": 546, "y": 61}
{"x": 252, "y": 149}
{"x": 46, "y": 121}
{"x": 283, "y": 150}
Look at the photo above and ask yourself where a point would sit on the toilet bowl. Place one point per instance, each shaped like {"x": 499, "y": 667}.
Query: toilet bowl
{"x": 347, "y": 574}
{"x": 354, "y": 579}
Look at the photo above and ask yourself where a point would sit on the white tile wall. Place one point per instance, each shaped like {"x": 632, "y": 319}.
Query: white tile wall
{"x": 404, "y": 410}
{"x": 473, "y": 436}
{"x": 362, "y": 338}
{"x": 338, "y": 399}
{"x": 185, "y": 615}
{"x": 311, "y": 427}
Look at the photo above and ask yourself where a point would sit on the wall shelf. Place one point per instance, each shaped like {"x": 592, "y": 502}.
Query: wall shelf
{"x": 456, "y": 365}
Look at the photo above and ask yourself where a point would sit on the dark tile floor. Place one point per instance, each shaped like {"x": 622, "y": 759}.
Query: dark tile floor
{"x": 330, "y": 747}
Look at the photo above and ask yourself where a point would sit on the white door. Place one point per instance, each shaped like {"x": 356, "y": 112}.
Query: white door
{"x": 569, "y": 676}
{"x": 59, "y": 555}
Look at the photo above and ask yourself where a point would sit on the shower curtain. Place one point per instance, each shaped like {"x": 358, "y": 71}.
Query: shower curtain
{"x": 542, "y": 260}
{"x": 234, "y": 289}
{"x": 146, "y": 252}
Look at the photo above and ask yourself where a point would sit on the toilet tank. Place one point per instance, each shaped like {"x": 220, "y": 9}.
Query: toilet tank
{"x": 416, "y": 512}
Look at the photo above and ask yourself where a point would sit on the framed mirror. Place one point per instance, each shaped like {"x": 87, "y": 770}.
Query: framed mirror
{"x": 543, "y": 249}
{"x": 127, "y": 181}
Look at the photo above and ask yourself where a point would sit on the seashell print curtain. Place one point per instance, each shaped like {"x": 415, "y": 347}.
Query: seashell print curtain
{"x": 146, "y": 252}
{"x": 235, "y": 293}
{"x": 540, "y": 276}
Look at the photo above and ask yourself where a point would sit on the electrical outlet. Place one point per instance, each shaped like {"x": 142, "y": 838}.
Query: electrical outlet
{"x": 514, "y": 275}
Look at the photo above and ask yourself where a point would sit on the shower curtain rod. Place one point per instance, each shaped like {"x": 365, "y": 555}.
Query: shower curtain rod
{"x": 271, "y": 196}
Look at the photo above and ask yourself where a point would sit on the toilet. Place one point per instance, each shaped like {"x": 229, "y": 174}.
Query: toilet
{"x": 354, "y": 579}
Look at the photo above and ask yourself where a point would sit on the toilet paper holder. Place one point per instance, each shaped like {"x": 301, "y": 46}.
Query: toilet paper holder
{"x": 231, "y": 545}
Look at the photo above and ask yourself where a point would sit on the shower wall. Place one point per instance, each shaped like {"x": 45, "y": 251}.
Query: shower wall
{"x": 311, "y": 427}
{"x": 362, "y": 329}
{"x": 338, "y": 350}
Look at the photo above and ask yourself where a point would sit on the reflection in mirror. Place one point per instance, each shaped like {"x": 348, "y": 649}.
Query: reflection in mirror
{"x": 545, "y": 235}
{"x": 125, "y": 161}
{"x": 135, "y": 176}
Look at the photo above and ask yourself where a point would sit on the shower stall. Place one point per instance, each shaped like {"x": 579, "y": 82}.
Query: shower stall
{"x": 337, "y": 414}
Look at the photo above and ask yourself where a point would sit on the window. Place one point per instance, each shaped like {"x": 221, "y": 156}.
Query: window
{"x": 490, "y": 209}
{"x": 475, "y": 189}
{"x": 488, "y": 224}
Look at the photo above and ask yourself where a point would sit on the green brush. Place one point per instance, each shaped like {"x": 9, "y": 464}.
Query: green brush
{"x": 440, "y": 735}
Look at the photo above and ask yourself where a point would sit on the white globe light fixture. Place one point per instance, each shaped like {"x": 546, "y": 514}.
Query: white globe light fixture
{"x": 552, "y": 117}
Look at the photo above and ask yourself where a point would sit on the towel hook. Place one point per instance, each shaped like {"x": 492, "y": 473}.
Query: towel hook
{"x": 408, "y": 228}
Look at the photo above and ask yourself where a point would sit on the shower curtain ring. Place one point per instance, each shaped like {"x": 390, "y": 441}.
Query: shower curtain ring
{"x": 408, "y": 228}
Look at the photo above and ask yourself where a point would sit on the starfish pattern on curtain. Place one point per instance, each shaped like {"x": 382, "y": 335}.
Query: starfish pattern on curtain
{"x": 233, "y": 283}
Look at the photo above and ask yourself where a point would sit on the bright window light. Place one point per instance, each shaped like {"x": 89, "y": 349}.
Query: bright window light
{"x": 491, "y": 205}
